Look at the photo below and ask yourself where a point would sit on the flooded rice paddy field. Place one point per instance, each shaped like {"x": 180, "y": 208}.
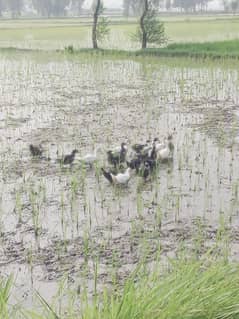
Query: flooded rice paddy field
{"x": 58, "y": 222}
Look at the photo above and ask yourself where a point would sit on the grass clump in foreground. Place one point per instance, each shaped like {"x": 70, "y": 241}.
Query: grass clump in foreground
{"x": 186, "y": 290}
{"x": 5, "y": 288}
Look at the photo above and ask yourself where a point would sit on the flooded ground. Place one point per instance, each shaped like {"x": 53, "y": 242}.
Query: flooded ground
{"x": 59, "y": 222}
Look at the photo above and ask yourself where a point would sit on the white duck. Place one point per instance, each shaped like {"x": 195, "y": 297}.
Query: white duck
{"x": 155, "y": 144}
{"x": 90, "y": 158}
{"x": 158, "y": 145}
{"x": 120, "y": 178}
{"x": 166, "y": 152}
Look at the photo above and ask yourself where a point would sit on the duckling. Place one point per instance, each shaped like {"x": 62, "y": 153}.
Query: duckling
{"x": 35, "y": 150}
{"x": 120, "y": 178}
{"x": 115, "y": 158}
{"x": 69, "y": 159}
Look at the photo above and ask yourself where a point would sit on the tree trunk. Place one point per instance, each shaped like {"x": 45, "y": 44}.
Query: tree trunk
{"x": 142, "y": 26}
{"x": 126, "y": 8}
{"x": 94, "y": 29}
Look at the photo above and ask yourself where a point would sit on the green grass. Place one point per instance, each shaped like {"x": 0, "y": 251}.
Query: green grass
{"x": 187, "y": 289}
{"x": 214, "y": 50}
{"x": 5, "y": 288}
{"x": 190, "y": 290}
{"x": 224, "y": 47}
{"x": 219, "y": 49}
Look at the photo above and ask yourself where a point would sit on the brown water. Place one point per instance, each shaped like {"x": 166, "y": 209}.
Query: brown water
{"x": 68, "y": 103}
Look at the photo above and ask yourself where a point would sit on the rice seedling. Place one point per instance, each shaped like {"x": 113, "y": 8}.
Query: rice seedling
{"x": 19, "y": 207}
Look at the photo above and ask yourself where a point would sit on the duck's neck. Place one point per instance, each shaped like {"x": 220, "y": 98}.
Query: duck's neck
{"x": 170, "y": 146}
{"x": 96, "y": 150}
{"x": 128, "y": 171}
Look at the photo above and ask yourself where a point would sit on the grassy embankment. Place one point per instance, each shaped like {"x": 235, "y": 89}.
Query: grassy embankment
{"x": 215, "y": 50}
{"x": 220, "y": 49}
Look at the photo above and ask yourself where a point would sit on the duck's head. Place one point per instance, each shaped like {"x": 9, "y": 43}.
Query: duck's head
{"x": 74, "y": 152}
{"x": 146, "y": 165}
{"x": 123, "y": 146}
{"x": 131, "y": 164}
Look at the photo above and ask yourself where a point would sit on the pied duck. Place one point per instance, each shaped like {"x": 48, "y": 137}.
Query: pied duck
{"x": 120, "y": 178}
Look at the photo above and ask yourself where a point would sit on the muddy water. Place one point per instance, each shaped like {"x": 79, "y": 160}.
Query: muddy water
{"x": 78, "y": 217}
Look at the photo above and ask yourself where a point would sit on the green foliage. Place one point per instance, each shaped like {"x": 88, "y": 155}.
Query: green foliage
{"x": 103, "y": 29}
{"x": 5, "y": 287}
{"x": 154, "y": 28}
{"x": 214, "y": 50}
{"x": 234, "y": 5}
{"x": 192, "y": 289}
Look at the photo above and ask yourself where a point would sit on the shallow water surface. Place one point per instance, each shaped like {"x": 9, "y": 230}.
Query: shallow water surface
{"x": 57, "y": 221}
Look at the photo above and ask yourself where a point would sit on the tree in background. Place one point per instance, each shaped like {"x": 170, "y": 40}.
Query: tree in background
{"x": 59, "y": 7}
{"x": 2, "y": 7}
{"x": 150, "y": 30}
{"x": 126, "y": 8}
{"x": 51, "y": 8}
{"x": 48, "y": 8}
{"x": 43, "y": 7}
{"x": 185, "y": 5}
{"x": 142, "y": 30}
{"x": 234, "y": 5}
{"x": 226, "y": 5}
{"x": 168, "y": 5}
{"x": 190, "y": 5}
{"x": 135, "y": 7}
{"x": 15, "y": 6}
{"x": 100, "y": 27}
{"x": 96, "y": 8}
{"x": 77, "y": 5}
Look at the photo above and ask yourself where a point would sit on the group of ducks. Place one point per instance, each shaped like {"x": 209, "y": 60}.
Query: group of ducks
{"x": 143, "y": 159}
